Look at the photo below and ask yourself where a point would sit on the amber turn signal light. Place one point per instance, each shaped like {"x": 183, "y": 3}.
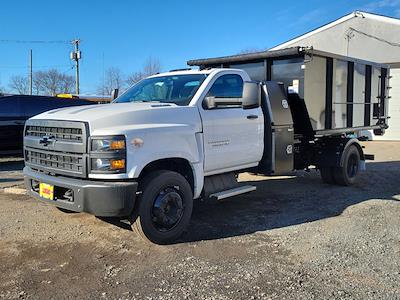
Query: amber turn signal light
{"x": 117, "y": 145}
{"x": 117, "y": 164}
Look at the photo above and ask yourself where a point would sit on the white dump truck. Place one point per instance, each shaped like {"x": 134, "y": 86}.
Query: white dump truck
{"x": 186, "y": 134}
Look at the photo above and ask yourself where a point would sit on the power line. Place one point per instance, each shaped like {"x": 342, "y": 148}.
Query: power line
{"x": 375, "y": 37}
{"x": 70, "y": 68}
{"x": 34, "y": 67}
{"x": 35, "y": 42}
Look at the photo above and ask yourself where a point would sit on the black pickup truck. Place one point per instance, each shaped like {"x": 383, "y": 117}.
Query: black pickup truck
{"x": 16, "y": 109}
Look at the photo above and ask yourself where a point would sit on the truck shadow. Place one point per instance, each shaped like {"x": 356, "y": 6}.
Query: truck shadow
{"x": 282, "y": 202}
{"x": 279, "y": 203}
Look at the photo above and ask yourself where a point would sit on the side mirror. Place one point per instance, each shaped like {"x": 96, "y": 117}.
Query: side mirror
{"x": 114, "y": 94}
{"x": 251, "y": 95}
{"x": 211, "y": 102}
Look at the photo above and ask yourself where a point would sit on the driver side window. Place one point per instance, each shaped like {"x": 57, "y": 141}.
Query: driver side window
{"x": 227, "y": 86}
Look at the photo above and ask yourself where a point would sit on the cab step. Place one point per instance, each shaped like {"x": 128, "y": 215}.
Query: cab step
{"x": 233, "y": 192}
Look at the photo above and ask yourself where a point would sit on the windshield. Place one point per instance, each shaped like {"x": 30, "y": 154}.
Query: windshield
{"x": 178, "y": 89}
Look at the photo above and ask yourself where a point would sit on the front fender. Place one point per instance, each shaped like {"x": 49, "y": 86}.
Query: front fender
{"x": 185, "y": 145}
{"x": 169, "y": 143}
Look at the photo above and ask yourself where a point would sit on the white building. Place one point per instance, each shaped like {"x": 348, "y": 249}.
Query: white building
{"x": 365, "y": 36}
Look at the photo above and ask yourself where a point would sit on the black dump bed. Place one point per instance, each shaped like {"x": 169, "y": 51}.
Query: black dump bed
{"x": 328, "y": 94}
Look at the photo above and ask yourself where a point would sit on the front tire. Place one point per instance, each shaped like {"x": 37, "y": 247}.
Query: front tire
{"x": 164, "y": 208}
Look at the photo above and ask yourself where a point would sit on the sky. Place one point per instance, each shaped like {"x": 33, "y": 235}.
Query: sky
{"x": 123, "y": 34}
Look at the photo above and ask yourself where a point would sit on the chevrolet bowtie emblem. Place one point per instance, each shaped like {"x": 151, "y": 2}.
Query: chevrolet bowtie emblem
{"x": 46, "y": 140}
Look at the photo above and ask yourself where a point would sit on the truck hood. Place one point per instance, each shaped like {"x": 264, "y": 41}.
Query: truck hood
{"x": 128, "y": 115}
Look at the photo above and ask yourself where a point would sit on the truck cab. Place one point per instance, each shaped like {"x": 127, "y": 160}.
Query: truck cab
{"x": 185, "y": 124}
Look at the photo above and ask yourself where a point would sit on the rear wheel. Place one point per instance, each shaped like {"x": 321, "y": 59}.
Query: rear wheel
{"x": 348, "y": 173}
{"x": 164, "y": 208}
{"x": 327, "y": 175}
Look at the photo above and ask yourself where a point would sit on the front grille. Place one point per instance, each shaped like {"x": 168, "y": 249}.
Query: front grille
{"x": 59, "y": 133}
{"x": 58, "y": 147}
{"x": 72, "y": 163}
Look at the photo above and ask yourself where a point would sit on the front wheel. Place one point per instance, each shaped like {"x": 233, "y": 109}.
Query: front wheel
{"x": 164, "y": 208}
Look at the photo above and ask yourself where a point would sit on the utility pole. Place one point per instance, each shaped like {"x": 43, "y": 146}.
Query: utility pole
{"x": 76, "y": 55}
{"x": 30, "y": 73}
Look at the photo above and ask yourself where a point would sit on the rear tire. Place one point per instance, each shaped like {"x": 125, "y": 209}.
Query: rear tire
{"x": 164, "y": 208}
{"x": 327, "y": 175}
{"x": 348, "y": 174}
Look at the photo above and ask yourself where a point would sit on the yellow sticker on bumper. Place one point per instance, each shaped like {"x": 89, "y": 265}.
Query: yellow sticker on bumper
{"x": 46, "y": 191}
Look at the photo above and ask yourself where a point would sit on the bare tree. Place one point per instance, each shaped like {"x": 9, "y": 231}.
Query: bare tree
{"x": 36, "y": 85}
{"x": 67, "y": 84}
{"x": 135, "y": 77}
{"x": 52, "y": 82}
{"x": 19, "y": 84}
{"x": 113, "y": 79}
{"x": 1, "y": 89}
{"x": 151, "y": 66}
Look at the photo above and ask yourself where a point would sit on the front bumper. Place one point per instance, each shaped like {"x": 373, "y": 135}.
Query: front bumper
{"x": 100, "y": 198}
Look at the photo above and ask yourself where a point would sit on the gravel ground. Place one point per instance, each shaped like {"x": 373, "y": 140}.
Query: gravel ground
{"x": 295, "y": 238}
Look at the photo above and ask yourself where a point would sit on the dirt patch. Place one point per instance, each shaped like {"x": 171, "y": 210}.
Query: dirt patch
{"x": 295, "y": 238}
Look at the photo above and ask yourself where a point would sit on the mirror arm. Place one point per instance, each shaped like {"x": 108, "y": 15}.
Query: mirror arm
{"x": 214, "y": 102}
{"x": 114, "y": 94}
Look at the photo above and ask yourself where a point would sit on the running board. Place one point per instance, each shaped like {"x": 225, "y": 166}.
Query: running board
{"x": 233, "y": 192}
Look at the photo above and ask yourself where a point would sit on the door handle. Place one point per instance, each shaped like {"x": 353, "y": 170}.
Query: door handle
{"x": 252, "y": 117}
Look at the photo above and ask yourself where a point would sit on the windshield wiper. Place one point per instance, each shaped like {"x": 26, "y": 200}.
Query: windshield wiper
{"x": 156, "y": 101}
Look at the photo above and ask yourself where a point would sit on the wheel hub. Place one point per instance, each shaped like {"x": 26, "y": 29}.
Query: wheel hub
{"x": 167, "y": 209}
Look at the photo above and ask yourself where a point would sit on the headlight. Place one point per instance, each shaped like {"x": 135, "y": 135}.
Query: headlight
{"x": 107, "y": 164}
{"x": 108, "y": 155}
{"x": 109, "y": 144}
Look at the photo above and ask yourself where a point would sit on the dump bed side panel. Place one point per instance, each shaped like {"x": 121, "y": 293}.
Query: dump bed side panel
{"x": 340, "y": 94}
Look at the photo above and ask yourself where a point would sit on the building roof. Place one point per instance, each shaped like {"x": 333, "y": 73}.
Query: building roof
{"x": 246, "y": 57}
{"x": 355, "y": 14}
{"x": 274, "y": 54}
{"x": 360, "y": 37}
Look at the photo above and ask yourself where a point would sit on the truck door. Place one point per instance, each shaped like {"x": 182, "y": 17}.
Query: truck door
{"x": 233, "y": 136}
